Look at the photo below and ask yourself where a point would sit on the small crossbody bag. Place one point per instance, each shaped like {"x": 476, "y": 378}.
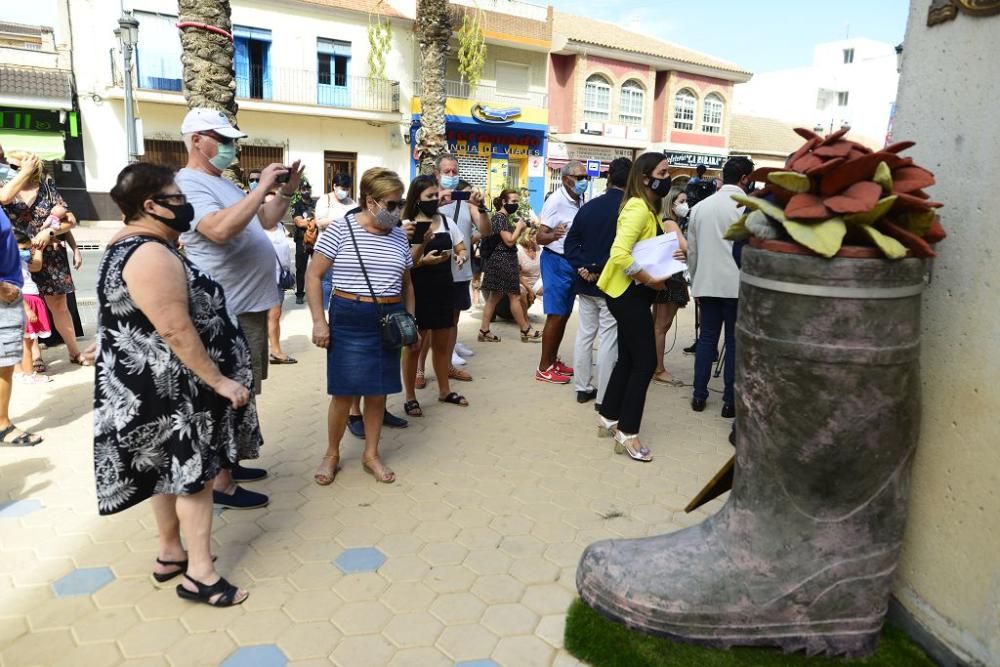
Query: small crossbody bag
{"x": 397, "y": 330}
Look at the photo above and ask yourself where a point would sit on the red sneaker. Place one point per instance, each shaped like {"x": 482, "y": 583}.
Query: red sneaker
{"x": 562, "y": 369}
{"x": 551, "y": 375}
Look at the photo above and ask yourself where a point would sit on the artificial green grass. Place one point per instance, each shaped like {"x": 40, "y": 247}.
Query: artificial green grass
{"x": 602, "y": 643}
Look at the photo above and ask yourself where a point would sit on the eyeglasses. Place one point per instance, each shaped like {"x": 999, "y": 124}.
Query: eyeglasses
{"x": 225, "y": 141}
{"x": 583, "y": 177}
{"x": 177, "y": 199}
{"x": 392, "y": 204}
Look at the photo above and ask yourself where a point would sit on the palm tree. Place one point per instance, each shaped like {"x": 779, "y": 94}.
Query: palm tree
{"x": 209, "y": 79}
{"x": 433, "y": 28}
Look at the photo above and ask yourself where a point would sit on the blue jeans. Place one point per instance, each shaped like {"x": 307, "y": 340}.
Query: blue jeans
{"x": 327, "y": 283}
{"x": 715, "y": 313}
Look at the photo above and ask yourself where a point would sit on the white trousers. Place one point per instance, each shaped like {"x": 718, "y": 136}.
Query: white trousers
{"x": 595, "y": 321}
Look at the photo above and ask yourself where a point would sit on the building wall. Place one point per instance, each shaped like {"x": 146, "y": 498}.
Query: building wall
{"x": 616, "y": 72}
{"x": 949, "y": 575}
{"x": 562, "y": 92}
{"x": 701, "y": 86}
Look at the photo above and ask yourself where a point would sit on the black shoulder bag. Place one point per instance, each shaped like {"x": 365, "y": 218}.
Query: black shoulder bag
{"x": 397, "y": 330}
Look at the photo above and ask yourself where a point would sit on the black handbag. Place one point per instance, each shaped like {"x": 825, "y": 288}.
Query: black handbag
{"x": 397, "y": 330}
{"x": 286, "y": 279}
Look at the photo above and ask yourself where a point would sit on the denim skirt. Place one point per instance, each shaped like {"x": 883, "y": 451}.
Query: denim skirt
{"x": 357, "y": 364}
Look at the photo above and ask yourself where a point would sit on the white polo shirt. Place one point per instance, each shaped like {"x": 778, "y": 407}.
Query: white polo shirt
{"x": 559, "y": 209}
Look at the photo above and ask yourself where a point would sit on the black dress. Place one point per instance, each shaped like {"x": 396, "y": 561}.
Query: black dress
{"x": 501, "y": 272}
{"x": 158, "y": 429}
{"x": 677, "y": 289}
{"x": 433, "y": 285}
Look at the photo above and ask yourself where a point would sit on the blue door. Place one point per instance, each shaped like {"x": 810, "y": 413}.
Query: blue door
{"x": 252, "y": 62}
{"x": 333, "y": 81}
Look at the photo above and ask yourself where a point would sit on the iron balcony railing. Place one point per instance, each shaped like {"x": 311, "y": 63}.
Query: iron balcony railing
{"x": 486, "y": 94}
{"x": 295, "y": 86}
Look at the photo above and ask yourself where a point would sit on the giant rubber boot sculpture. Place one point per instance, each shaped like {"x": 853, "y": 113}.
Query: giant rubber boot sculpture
{"x": 802, "y": 554}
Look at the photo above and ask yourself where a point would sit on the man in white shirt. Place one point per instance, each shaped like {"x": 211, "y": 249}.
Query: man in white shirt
{"x": 715, "y": 279}
{"x": 558, "y": 275}
{"x": 228, "y": 240}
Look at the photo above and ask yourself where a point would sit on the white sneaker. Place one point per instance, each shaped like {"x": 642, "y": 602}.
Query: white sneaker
{"x": 457, "y": 360}
{"x": 464, "y": 351}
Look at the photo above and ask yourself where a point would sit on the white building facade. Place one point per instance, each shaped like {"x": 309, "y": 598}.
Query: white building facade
{"x": 850, "y": 82}
{"x": 302, "y": 88}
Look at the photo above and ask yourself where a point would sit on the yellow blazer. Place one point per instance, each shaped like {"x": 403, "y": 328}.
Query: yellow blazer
{"x": 635, "y": 223}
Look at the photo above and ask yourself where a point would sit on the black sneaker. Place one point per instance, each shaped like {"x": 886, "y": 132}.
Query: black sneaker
{"x": 241, "y": 474}
{"x": 692, "y": 349}
{"x": 597, "y": 407}
{"x": 697, "y": 404}
{"x": 392, "y": 421}
{"x": 728, "y": 410}
{"x": 586, "y": 396}
{"x": 299, "y": 300}
{"x": 356, "y": 425}
{"x": 241, "y": 499}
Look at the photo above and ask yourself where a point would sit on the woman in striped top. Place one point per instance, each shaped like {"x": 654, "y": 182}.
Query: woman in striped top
{"x": 357, "y": 363}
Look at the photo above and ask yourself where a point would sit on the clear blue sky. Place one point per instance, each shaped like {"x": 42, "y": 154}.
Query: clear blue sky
{"x": 760, "y": 36}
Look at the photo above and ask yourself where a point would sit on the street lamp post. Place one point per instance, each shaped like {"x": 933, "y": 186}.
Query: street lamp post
{"x": 128, "y": 34}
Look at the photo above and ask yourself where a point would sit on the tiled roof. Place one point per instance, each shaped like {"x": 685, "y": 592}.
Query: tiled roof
{"x": 599, "y": 33}
{"x": 382, "y": 8}
{"x": 36, "y": 82}
{"x": 22, "y": 29}
{"x": 499, "y": 25}
{"x": 753, "y": 134}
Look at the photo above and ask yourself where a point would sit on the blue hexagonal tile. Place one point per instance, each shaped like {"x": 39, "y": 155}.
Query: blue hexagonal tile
{"x": 362, "y": 559}
{"x": 265, "y": 655}
{"x": 476, "y": 663}
{"x": 15, "y": 509}
{"x": 83, "y": 581}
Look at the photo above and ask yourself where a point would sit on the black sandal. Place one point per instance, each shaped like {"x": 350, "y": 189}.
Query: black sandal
{"x": 455, "y": 399}
{"x": 182, "y": 564}
{"x": 24, "y": 440}
{"x": 225, "y": 590}
{"x": 413, "y": 409}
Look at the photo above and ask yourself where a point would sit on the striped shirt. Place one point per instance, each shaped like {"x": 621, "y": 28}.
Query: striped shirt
{"x": 385, "y": 257}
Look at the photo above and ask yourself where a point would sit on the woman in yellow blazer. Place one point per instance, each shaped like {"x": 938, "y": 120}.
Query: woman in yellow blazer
{"x": 628, "y": 287}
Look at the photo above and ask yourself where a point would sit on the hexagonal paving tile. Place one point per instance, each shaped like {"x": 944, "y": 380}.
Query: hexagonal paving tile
{"x": 361, "y": 618}
{"x": 361, "y": 559}
{"x": 83, "y": 581}
{"x": 476, "y": 663}
{"x": 467, "y": 642}
{"x": 458, "y": 608}
{"x": 309, "y": 640}
{"x": 407, "y": 596}
{"x": 367, "y": 650}
{"x": 524, "y": 652}
{"x": 510, "y": 619}
{"x": 265, "y": 655}
{"x": 498, "y": 588}
{"x": 15, "y": 509}
{"x": 411, "y": 630}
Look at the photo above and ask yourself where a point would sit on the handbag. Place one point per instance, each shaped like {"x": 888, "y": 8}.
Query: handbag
{"x": 397, "y": 330}
{"x": 286, "y": 279}
{"x": 310, "y": 235}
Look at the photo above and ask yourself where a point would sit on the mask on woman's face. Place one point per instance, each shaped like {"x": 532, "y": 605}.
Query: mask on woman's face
{"x": 183, "y": 215}
{"x": 386, "y": 219}
{"x": 681, "y": 210}
{"x": 511, "y": 208}
{"x": 428, "y": 208}
{"x": 340, "y": 194}
{"x": 225, "y": 155}
{"x": 660, "y": 186}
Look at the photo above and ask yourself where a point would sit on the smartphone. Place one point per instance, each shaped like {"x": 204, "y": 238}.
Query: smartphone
{"x": 419, "y": 231}
{"x": 283, "y": 178}
{"x": 461, "y": 195}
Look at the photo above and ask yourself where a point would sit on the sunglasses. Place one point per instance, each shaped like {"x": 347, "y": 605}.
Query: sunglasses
{"x": 178, "y": 199}
{"x": 584, "y": 177}
{"x": 392, "y": 204}
{"x": 225, "y": 141}
{"x": 255, "y": 180}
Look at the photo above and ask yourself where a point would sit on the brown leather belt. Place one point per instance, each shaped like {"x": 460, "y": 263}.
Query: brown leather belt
{"x": 367, "y": 299}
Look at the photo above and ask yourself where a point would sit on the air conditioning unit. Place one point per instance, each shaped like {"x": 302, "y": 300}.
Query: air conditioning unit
{"x": 592, "y": 128}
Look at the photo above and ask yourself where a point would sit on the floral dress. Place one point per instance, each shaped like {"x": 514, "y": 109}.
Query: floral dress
{"x": 501, "y": 272}
{"x": 55, "y": 276}
{"x": 158, "y": 429}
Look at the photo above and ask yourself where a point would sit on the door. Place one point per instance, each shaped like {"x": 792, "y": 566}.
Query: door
{"x": 334, "y": 163}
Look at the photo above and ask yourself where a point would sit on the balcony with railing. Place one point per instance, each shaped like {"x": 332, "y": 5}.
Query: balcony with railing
{"x": 486, "y": 94}
{"x": 301, "y": 86}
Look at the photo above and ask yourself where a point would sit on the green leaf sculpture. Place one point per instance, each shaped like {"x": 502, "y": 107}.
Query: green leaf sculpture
{"x": 892, "y": 248}
{"x": 823, "y": 238}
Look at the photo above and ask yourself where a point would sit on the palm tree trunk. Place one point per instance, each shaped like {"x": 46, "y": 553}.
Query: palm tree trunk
{"x": 433, "y": 28}
{"x": 209, "y": 79}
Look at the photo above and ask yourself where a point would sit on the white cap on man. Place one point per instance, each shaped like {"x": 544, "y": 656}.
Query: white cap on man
{"x": 209, "y": 120}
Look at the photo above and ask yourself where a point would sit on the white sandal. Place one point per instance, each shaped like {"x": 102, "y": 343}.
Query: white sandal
{"x": 623, "y": 446}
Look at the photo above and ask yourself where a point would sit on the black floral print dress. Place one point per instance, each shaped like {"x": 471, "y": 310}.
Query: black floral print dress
{"x": 55, "y": 276}
{"x": 158, "y": 429}
{"x": 501, "y": 272}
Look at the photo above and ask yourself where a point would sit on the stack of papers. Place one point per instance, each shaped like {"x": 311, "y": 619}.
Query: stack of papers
{"x": 656, "y": 256}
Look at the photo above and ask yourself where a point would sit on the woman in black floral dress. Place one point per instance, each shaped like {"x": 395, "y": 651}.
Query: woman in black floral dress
{"x": 172, "y": 400}
{"x": 28, "y": 207}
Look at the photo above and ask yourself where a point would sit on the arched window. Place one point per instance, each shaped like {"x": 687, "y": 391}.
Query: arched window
{"x": 632, "y": 103}
{"x": 597, "y": 98}
{"x": 684, "y": 105}
{"x": 711, "y": 117}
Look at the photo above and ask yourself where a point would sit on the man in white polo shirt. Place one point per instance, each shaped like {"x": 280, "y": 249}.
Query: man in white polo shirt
{"x": 558, "y": 275}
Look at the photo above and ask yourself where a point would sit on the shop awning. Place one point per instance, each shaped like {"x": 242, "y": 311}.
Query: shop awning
{"x": 46, "y": 145}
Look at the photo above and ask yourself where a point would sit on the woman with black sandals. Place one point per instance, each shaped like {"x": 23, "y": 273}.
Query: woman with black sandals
{"x": 172, "y": 399}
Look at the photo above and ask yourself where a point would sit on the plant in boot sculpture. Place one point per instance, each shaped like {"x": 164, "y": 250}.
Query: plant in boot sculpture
{"x": 803, "y": 553}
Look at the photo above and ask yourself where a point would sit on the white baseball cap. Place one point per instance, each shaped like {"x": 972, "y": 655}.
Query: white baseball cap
{"x": 205, "y": 120}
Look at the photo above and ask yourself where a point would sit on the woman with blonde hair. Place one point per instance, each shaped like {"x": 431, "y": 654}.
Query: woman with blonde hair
{"x": 529, "y": 266}
{"x": 667, "y": 302}
{"x": 371, "y": 261}
{"x": 630, "y": 290}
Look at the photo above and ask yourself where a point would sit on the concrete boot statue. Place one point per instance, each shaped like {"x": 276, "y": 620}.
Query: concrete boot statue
{"x": 802, "y": 555}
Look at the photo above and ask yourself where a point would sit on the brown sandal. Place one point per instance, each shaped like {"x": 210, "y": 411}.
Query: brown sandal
{"x": 421, "y": 381}
{"x": 384, "y": 474}
{"x": 325, "y": 475}
{"x": 80, "y": 360}
{"x": 487, "y": 337}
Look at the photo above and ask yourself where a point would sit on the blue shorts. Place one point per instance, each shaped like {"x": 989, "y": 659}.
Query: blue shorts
{"x": 559, "y": 282}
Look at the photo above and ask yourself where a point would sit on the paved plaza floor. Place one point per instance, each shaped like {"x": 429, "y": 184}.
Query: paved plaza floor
{"x": 470, "y": 558}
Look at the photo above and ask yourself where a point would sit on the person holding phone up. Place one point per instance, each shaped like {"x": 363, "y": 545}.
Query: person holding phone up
{"x": 434, "y": 241}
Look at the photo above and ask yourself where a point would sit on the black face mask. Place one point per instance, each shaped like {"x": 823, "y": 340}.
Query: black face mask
{"x": 511, "y": 208}
{"x": 660, "y": 186}
{"x": 428, "y": 208}
{"x": 183, "y": 215}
